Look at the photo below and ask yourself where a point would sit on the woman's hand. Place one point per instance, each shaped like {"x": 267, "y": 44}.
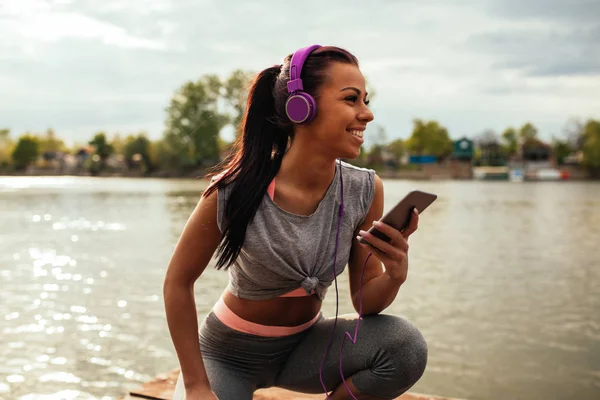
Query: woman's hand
{"x": 200, "y": 393}
{"x": 393, "y": 255}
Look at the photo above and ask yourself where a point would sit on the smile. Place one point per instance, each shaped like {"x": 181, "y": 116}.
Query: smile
{"x": 357, "y": 133}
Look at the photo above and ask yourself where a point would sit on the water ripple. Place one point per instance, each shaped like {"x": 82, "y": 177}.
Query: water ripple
{"x": 82, "y": 224}
{"x": 505, "y": 298}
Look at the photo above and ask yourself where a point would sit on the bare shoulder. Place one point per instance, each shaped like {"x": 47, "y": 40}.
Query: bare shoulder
{"x": 378, "y": 185}
{"x": 376, "y": 210}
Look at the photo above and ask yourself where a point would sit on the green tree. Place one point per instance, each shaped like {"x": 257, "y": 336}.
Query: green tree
{"x": 235, "y": 93}
{"x": 137, "y": 151}
{"x": 103, "y": 149}
{"x": 528, "y": 132}
{"x": 591, "y": 146}
{"x": 25, "y": 152}
{"x": 561, "y": 149}
{"x": 489, "y": 149}
{"x": 397, "y": 148}
{"x": 172, "y": 153}
{"x": 429, "y": 138}
{"x": 511, "y": 143}
{"x": 6, "y": 147}
{"x": 50, "y": 143}
{"x": 375, "y": 156}
{"x": 118, "y": 144}
{"x": 193, "y": 124}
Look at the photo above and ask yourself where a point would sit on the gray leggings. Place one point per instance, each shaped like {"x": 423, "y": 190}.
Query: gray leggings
{"x": 388, "y": 358}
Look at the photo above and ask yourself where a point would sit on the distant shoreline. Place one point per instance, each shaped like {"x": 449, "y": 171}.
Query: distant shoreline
{"x": 448, "y": 170}
{"x": 200, "y": 175}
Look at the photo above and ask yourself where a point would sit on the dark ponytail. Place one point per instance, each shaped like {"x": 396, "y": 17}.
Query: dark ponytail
{"x": 253, "y": 163}
{"x": 265, "y": 133}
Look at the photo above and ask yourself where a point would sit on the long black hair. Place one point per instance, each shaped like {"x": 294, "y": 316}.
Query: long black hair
{"x": 265, "y": 132}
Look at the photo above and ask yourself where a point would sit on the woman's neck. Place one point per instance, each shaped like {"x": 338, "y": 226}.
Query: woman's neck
{"x": 307, "y": 169}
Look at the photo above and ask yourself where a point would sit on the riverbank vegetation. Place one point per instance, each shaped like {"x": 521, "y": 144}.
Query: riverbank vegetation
{"x": 199, "y": 111}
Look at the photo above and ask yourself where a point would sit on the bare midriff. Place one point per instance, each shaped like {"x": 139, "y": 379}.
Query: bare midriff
{"x": 280, "y": 311}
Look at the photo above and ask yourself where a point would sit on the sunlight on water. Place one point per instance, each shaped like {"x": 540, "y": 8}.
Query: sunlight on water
{"x": 63, "y": 395}
{"x": 81, "y": 224}
{"x": 4, "y": 388}
{"x": 59, "y": 377}
{"x": 15, "y": 378}
{"x": 503, "y": 284}
{"x": 20, "y": 182}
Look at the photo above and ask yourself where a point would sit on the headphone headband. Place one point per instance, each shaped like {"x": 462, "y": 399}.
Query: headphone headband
{"x": 298, "y": 59}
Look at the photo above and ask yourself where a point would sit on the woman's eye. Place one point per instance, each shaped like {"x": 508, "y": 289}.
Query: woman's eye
{"x": 355, "y": 98}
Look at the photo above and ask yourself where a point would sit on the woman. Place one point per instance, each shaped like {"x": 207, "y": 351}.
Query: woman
{"x": 284, "y": 216}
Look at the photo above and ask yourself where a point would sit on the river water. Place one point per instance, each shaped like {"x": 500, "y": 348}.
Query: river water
{"x": 504, "y": 283}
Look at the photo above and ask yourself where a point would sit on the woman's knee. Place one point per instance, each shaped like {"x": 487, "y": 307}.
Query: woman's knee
{"x": 403, "y": 350}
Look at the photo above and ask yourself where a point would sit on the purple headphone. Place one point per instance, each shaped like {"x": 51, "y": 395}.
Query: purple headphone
{"x": 300, "y": 106}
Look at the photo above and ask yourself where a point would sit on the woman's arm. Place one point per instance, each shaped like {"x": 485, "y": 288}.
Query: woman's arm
{"x": 380, "y": 286}
{"x": 195, "y": 248}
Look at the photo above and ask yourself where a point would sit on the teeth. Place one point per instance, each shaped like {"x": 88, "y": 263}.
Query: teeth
{"x": 357, "y": 133}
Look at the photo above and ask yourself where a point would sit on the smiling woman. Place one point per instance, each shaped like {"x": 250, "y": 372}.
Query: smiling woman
{"x": 277, "y": 211}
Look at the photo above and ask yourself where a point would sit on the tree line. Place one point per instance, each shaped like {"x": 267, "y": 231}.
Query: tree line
{"x": 199, "y": 110}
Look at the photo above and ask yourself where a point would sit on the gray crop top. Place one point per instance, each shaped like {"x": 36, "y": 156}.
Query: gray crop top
{"x": 283, "y": 251}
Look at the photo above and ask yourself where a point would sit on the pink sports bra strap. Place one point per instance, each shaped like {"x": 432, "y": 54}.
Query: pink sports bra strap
{"x": 271, "y": 189}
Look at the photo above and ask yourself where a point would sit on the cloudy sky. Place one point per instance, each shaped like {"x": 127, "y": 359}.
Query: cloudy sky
{"x": 80, "y": 66}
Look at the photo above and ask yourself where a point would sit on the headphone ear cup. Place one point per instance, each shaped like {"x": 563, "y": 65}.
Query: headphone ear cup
{"x": 301, "y": 108}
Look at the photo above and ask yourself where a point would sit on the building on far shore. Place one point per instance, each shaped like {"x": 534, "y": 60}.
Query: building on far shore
{"x": 461, "y": 161}
{"x": 538, "y": 161}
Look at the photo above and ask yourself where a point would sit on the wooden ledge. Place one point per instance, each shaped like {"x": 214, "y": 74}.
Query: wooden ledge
{"x": 163, "y": 386}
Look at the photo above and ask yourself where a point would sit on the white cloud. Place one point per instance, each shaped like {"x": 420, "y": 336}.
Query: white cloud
{"x": 84, "y": 65}
{"x": 36, "y": 20}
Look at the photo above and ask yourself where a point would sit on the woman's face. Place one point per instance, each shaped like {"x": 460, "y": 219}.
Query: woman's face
{"x": 342, "y": 112}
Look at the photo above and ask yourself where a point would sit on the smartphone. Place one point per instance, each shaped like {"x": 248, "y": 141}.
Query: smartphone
{"x": 399, "y": 216}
